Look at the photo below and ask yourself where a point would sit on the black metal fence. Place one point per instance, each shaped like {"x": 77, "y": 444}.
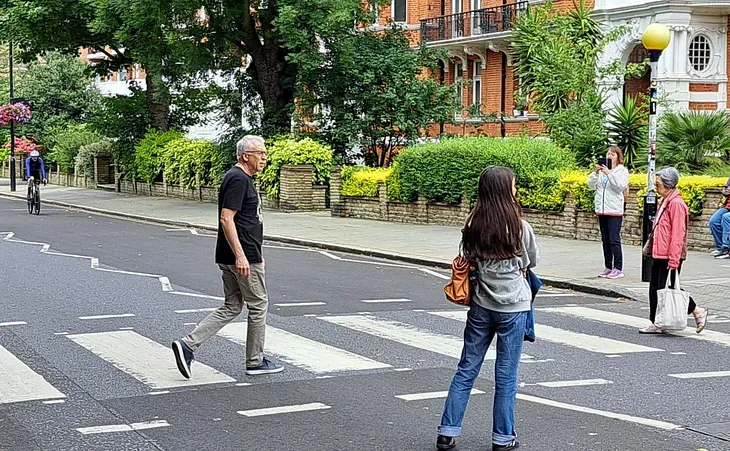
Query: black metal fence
{"x": 471, "y": 23}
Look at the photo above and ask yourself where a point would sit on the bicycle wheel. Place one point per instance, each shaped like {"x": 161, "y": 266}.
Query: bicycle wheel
{"x": 37, "y": 201}
{"x": 31, "y": 198}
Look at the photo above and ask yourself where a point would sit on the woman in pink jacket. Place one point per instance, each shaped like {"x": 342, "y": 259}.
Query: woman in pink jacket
{"x": 669, "y": 249}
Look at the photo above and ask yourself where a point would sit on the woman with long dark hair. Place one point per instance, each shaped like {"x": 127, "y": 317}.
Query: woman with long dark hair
{"x": 503, "y": 247}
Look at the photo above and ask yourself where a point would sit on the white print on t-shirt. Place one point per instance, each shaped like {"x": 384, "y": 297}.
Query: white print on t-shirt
{"x": 259, "y": 210}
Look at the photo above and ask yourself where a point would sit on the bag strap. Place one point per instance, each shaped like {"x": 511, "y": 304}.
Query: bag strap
{"x": 675, "y": 273}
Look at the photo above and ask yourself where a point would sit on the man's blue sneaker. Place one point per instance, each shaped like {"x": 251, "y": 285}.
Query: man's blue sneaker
{"x": 265, "y": 367}
{"x": 183, "y": 357}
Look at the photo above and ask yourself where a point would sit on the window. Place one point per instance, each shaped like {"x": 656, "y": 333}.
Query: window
{"x": 398, "y": 10}
{"x": 700, "y": 53}
{"x": 477, "y": 84}
{"x": 458, "y": 78}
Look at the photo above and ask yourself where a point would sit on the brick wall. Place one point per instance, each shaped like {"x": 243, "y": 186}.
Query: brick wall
{"x": 296, "y": 192}
{"x": 570, "y": 223}
{"x": 703, "y": 87}
{"x": 703, "y": 106}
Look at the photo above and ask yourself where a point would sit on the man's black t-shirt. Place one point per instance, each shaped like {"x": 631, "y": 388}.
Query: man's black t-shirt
{"x": 238, "y": 193}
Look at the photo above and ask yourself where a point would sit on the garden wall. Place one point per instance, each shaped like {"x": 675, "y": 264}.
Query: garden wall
{"x": 570, "y": 223}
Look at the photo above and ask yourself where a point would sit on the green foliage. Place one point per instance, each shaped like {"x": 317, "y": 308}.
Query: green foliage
{"x": 149, "y": 152}
{"x": 361, "y": 181}
{"x": 67, "y": 144}
{"x": 376, "y": 100}
{"x": 188, "y": 161}
{"x": 694, "y": 141}
{"x": 85, "y": 158}
{"x": 628, "y": 129}
{"x": 449, "y": 170}
{"x": 580, "y": 129}
{"x": 285, "y": 150}
{"x": 692, "y": 188}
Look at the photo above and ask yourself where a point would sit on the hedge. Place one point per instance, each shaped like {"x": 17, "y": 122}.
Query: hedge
{"x": 148, "y": 153}
{"x": 449, "y": 170}
{"x": 286, "y": 150}
{"x": 183, "y": 159}
{"x": 361, "y": 181}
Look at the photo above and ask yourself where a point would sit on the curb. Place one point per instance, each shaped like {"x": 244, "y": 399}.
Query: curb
{"x": 567, "y": 284}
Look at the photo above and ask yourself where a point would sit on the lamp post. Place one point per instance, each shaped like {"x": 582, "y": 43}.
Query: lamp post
{"x": 12, "y": 123}
{"x": 656, "y": 38}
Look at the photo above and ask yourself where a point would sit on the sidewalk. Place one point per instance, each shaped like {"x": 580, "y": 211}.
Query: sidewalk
{"x": 565, "y": 263}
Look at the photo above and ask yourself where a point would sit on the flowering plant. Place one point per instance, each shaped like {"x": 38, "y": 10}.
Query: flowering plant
{"x": 22, "y": 145}
{"x": 15, "y": 111}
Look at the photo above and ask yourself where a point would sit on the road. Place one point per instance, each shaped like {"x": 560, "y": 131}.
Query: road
{"x": 90, "y": 304}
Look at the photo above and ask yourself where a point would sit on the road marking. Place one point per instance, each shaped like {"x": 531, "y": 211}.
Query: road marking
{"x": 406, "y": 334}
{"x": 60, "y": 333}
{"x": 55, "y": 401}
{"x": 284, "y": 409}
{"x": 148, "y": 361}
{"x": 678, "y": 353}
{"x": 197, "y": 310}
{"x": 126, "y": 328}
{"x": 163, "y": 392}
{"x": 20, "y": 383}
{"x": 13, "y": 323}
{"x": 578, "y": 340}
{"x": 300, "y": 304}
{"x": 633, "y": 321}
{"x": 617, "y": 416}
{"x": 575, "y": 383}
{"x": 196, "y": 295}
{"x": 432, "y": 395}
{"x": 384, "y": 301}
{"x": 123, "y": 427}
{"x": 302, "y": 352}
{"x": 704, "y": 375}
{"x": 556, "y": 295}
{"x": 120, "y": 315}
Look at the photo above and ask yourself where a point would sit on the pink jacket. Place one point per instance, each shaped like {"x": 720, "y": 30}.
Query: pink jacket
{"x": 670, "y": 230}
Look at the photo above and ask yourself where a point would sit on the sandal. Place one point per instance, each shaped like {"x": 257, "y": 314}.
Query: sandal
{"x": 701, "y": 320}
{"x": 652, "y": 330}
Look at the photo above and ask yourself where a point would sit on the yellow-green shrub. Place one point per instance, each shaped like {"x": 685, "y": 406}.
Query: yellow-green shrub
{"x": 691, "y": 187}
{"x": 361, "y": 181}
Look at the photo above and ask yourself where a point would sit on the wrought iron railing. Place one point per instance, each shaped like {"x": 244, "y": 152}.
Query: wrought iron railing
{"x": 471, "y": 23}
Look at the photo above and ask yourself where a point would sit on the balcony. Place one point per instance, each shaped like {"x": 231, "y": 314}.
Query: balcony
{"x": 471, "y": 24}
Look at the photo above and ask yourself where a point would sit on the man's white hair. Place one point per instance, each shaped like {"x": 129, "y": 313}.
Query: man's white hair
{"x": 249, "y": 143}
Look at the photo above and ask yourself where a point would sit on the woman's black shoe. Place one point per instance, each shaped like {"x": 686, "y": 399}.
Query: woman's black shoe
{"x": 444, "y": 442}
{"x": 514, "y": 444}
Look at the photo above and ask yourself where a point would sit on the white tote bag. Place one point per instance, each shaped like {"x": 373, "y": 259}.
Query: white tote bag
{"x": 671, "y": 312}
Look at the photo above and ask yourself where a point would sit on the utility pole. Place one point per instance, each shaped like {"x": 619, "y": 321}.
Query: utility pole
{"x": 12, "y": 124}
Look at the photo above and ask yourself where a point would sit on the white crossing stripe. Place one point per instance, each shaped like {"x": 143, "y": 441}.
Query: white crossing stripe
{"x": 432, "y": 395}
{"x": 578, "y": 340}
{"x": 302, "y": 352}
{"x": 385, "y": 301}
{"x": 284, "y": 409}
{"x": 197, "y": 310}
{"x": 406, "y": 334}
{"x": 300, "y": 304}
{"x": 19, "y": 383}
{"x": 576, "y": 383}
{"x": 704, "y": 375}
{"x": 617, "y": 416}
{"x": 146, "y": 360}
{"x": 123, "y": 427}
{"x": 634, "y": 321}
{"x": 120, "y": 315}
{"x": 13, "y": 323}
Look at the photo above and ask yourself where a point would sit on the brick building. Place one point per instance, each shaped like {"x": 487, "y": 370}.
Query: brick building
{"x": 475, "y": 33}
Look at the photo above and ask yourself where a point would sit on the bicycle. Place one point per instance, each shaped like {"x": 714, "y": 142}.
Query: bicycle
{"x": 34, "y": 198}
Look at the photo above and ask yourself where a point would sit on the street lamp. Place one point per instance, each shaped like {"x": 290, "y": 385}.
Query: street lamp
{"x": 12, "y": 123}
{"x": 656, "y": 38}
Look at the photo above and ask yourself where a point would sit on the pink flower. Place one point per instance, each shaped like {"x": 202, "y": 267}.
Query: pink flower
{"x": 22, "y": 145}
{"x": 14, "y": 111}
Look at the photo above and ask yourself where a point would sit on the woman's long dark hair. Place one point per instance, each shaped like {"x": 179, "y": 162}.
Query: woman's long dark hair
{"x": 494, "y": 228}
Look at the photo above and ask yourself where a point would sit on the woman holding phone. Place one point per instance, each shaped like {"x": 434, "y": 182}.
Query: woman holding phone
{"x": 609, "y": 180}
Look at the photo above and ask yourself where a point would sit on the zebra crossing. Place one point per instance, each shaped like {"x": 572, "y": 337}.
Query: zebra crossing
{"x": 150, "y": 362}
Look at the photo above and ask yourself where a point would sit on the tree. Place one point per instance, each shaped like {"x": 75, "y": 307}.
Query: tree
{"x": 372, "y": 93}
{"x": 694, "y": 141}
{"x": 628, "y": 128}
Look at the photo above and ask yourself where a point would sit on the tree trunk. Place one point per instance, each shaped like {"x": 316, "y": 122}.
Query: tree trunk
{"x": 158, "y": 102}
{"x": 268, "y": 68}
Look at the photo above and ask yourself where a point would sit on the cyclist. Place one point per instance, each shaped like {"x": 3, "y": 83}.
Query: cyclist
{"x": 35, "y": 167}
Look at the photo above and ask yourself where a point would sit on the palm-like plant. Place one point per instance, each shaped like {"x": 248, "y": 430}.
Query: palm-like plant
{"x": 693, "y": 141}
{"x": 627, "y": 128}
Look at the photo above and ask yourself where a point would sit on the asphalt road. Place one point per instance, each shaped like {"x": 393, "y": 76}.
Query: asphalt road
{"x": 91, "y": 303}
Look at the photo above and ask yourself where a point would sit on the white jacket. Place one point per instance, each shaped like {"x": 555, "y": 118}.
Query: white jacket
{"x": 609, "y": 200}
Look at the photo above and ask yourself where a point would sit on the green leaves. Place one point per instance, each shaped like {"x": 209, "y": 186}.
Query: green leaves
{"x": 286, "y": 150}
{"x": 148, "y": 153}
{"x": 188, "y": 161}
{"x": 67, "y": 144}
{"x": 694, "y": 141}
{"x": 628, "y": 127}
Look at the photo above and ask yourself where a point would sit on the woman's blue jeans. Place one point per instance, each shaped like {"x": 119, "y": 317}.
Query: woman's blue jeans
{"x": 481, "y": 327}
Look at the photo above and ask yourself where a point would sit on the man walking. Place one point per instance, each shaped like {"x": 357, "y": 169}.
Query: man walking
{"x": 720, "y": 226}
{"x": 238, "y": 254}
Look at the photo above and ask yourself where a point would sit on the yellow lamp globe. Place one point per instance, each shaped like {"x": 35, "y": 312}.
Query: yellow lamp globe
{"x": 656, "y": 37}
